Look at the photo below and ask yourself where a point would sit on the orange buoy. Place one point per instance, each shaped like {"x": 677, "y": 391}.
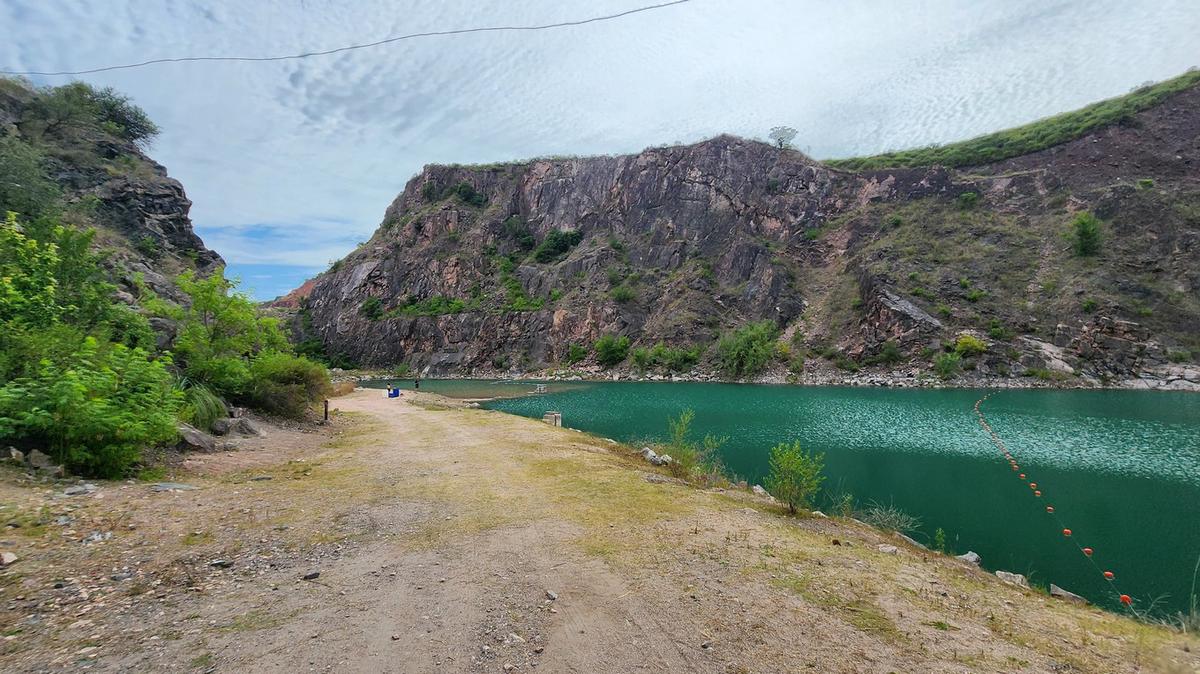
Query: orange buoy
{"x": 1108, "y": 575}
{"x": 1049, "y": 509}
{"x": 1022, "y": 476}
{"x": 1033, "y": 485}
{"x": 1037, "y": 493}
{"x": 1087, "y": 551}
{"x": 1066, "y": 532}
{"x": 1126, "y": 600}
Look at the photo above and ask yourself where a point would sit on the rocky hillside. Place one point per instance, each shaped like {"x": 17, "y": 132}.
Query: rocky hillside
{"x": 67, "y": 148}
{"x": 524, "y": 266}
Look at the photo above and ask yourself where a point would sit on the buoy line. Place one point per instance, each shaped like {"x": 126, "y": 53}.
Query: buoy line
{"x": 1036, "y": 489}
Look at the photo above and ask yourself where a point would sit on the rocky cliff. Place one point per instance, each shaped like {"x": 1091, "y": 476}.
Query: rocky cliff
{"x": 507, "y": 267}
{"x": 97, "y": 177}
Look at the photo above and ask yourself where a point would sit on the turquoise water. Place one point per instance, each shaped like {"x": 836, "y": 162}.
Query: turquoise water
{"x": 1121, "y": 468}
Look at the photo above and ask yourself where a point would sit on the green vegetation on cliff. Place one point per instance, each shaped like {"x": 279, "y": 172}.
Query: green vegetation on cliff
{"x": 1028, "y": 138}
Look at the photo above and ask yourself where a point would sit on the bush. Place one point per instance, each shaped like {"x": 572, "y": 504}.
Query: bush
{"x": 968, "y": 200}
{"x": 611, "y": 350}
{"x": 1085, "y": 235}
{"x": 889, "y": 354}
{"x": 371, "y": 308}
{"x": 795, "y": 475}
{"x": 24, "y": 187}
{"x": 1089, "y": 305}
{"x": 286, "y": 385}
{"x": 556, "y": 244}
{"x": 946, "y": 365}
{"x": 969, "y": 345}
{"x": 575, "y": 354}
{"x": 690, "y": 459}
{"x": 746, "y": 351}
{"x": 95, "y": 409}
{"x": 517, "y": 230}
{"x": 201, "y": 407}
{"x": 1180, "y": 356}
{"x": 889, "y": 518}
{"x": 623, "y": 294}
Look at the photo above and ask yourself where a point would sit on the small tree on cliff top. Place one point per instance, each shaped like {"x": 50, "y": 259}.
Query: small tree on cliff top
{"x": 782, "y": 136}
{"x": 795, "y": 475}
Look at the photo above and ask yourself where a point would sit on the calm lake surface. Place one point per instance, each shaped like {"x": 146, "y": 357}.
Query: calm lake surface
{"x": 1121, "y": 468}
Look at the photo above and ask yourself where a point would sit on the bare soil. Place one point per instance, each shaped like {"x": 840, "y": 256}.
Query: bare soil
{"x": 450, "y": 539}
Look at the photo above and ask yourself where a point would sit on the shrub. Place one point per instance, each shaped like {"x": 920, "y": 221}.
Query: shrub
{"x": 517, "y": 230}
{"x": 996, "y": 330}
{"x": 372, "y": 308}
{"x": 672, "y": 359}
{"x": 1085, "y": 235}
{"x": 746, "y": 351}
{"x": 623, "y": 294}
{"x": 1089, "y": 305}
{"x": 286, "y": 385}
{"x": 975, "y": 294}
{"x": 94, "y": 409}
{"x": 1145, "y": 183}
{"x": 939, "y": 540}
{"x": 946, "y": 365}
{"x": 889, "y": 354}
{"x": 889, "y": 518}
{"x": 689, "y": 458}
{"x": 575, "y": 354}
{"x": 1180, "y": 356}
{"x": 611, "y": 350}
{"x": 969, "y": 345}
{"x": 556, "y": 244}
{"x": 968, "y": 200}
{"x": 894, "y": 221}
{"x": 24, "y": 187}
{"x": 641, "y": 358}
{"x": 795, "y": 475}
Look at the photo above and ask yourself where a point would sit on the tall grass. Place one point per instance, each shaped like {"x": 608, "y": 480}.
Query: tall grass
{"x": 201, "y": 406}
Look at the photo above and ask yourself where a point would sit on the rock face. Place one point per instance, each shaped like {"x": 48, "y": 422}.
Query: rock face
{"x": 140, "y": 213}
{"x": 679, "y": 244}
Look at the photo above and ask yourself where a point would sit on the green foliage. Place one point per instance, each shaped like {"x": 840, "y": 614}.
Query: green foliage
{"x": 517, "y": 230}
{"x": 968, "y": 200}
{"x": 623, "y": 294}
{"x": 576, "y": 353}
{"x": 946, "y": 365}
{"x": 1179, "y": 356}
{"x": 1085, "y": 234}
{"x": 201, "y": 407}
{"x": 996, "y": 330}
{"x": 78, "y": 106}
{"x": 1145, "y": 183}
{"x": 94, "y": 409}
{"x": 690, "y": 459}
{"x": 894, "y": 220}
{"x": 556, "y": 244}
{"x": 611, "y": 350}
{"x": 434, "y": 305}
{"x": 746, "y": 351}
{"x": 795, "y": 475}
{"x": 24, "y": 187}
{"x": 1029, "y": 138}
{"x": 889, "y": 518}
{"x": 889, "y": 354}
{"x": 284, "y": 384}
{"x": 975, "y": 294}
{"x": 463, "y": 191}
{"x": 671, "y": 359}
{"x": 1088, "y": 305}
{"x": 939, "y": 540}
{"x": 969, "y": 345}
{"x": 371, "y": 308}
{"x": 518, "y": 300}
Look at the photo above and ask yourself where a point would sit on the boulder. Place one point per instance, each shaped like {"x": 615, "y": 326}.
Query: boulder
{"x": 222, "y": 426}
{"x": 8, "y": 558}
{"x": 649, "y": 454}
{"x": 664, "y": 460}
{"x": 889, "y": 549}
{"x": 970, "y": 557}
{"x": 1012, "y": 578}
{"x": 15, "y": 455}
{"x": 44, "y": 463}
{"x": 1058, "y": 592}
{"x": 192, "y": 439}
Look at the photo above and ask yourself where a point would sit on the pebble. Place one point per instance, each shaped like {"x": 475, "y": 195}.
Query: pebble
{"x": 311, "y": 575}
{"x": 220, "y": 563}
{"x": 552, "y": 596}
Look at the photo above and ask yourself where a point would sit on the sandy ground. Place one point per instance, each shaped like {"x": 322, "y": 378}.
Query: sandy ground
{"x": 460, "y": 540}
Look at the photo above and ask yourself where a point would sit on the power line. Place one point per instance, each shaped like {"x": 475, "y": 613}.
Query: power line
{"x": 398, "y": 38}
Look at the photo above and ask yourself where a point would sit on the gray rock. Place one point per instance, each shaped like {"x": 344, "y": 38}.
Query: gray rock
{"x": 971, "y": 557}
{"x": 649, "y": 454}
{"x": 552, "y": 596}
{"x": 97, "y": 536}
{"x": 16, "y": 455}
{"x": 63, "y": 520}
{"x": 1056, "y": 591}
{"x": 172, "y": 486}
{"x": 220, "y": 563}
{"x": 222, "y": 426}
{"x": 193, "y": 439}
{"x": 118, "y": 577}
{"x": 758, "y": 490}
{"x": 818, "y": 513}
{"x": 8, "y": 558}
{"x": 1012, "y": 578}
{"x": 909, "y": 540}
{"x": 311, "y": 575}
{"x": 80, "y": 489}
{"x": 41, "y": 461}
{"x": 889, "y": 549}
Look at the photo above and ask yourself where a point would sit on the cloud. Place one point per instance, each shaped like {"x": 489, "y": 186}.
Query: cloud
{"x": 292, "y": 163}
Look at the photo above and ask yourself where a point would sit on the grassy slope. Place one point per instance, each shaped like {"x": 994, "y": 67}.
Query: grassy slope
{"x": 1028, "y": 138}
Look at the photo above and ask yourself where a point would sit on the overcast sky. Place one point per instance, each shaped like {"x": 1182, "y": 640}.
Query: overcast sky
{"x": 290, "y": 164}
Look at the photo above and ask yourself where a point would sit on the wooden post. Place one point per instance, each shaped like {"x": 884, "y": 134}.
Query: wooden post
{"x": 326, "y": 410}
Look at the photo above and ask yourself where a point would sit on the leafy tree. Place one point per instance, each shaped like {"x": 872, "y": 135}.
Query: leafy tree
{"x": 1085, "y": 235}
{"x": 782, "y": 136}
{"x": 611, "y": 350}
{"x": 747, "y": 350}
{"x": 795, "y": 475}
{"x": 80, "y": 106}
{"x": 24, "y": 188}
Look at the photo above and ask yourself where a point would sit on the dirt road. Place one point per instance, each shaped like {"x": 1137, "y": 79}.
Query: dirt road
{"x": 461, "y": 540}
